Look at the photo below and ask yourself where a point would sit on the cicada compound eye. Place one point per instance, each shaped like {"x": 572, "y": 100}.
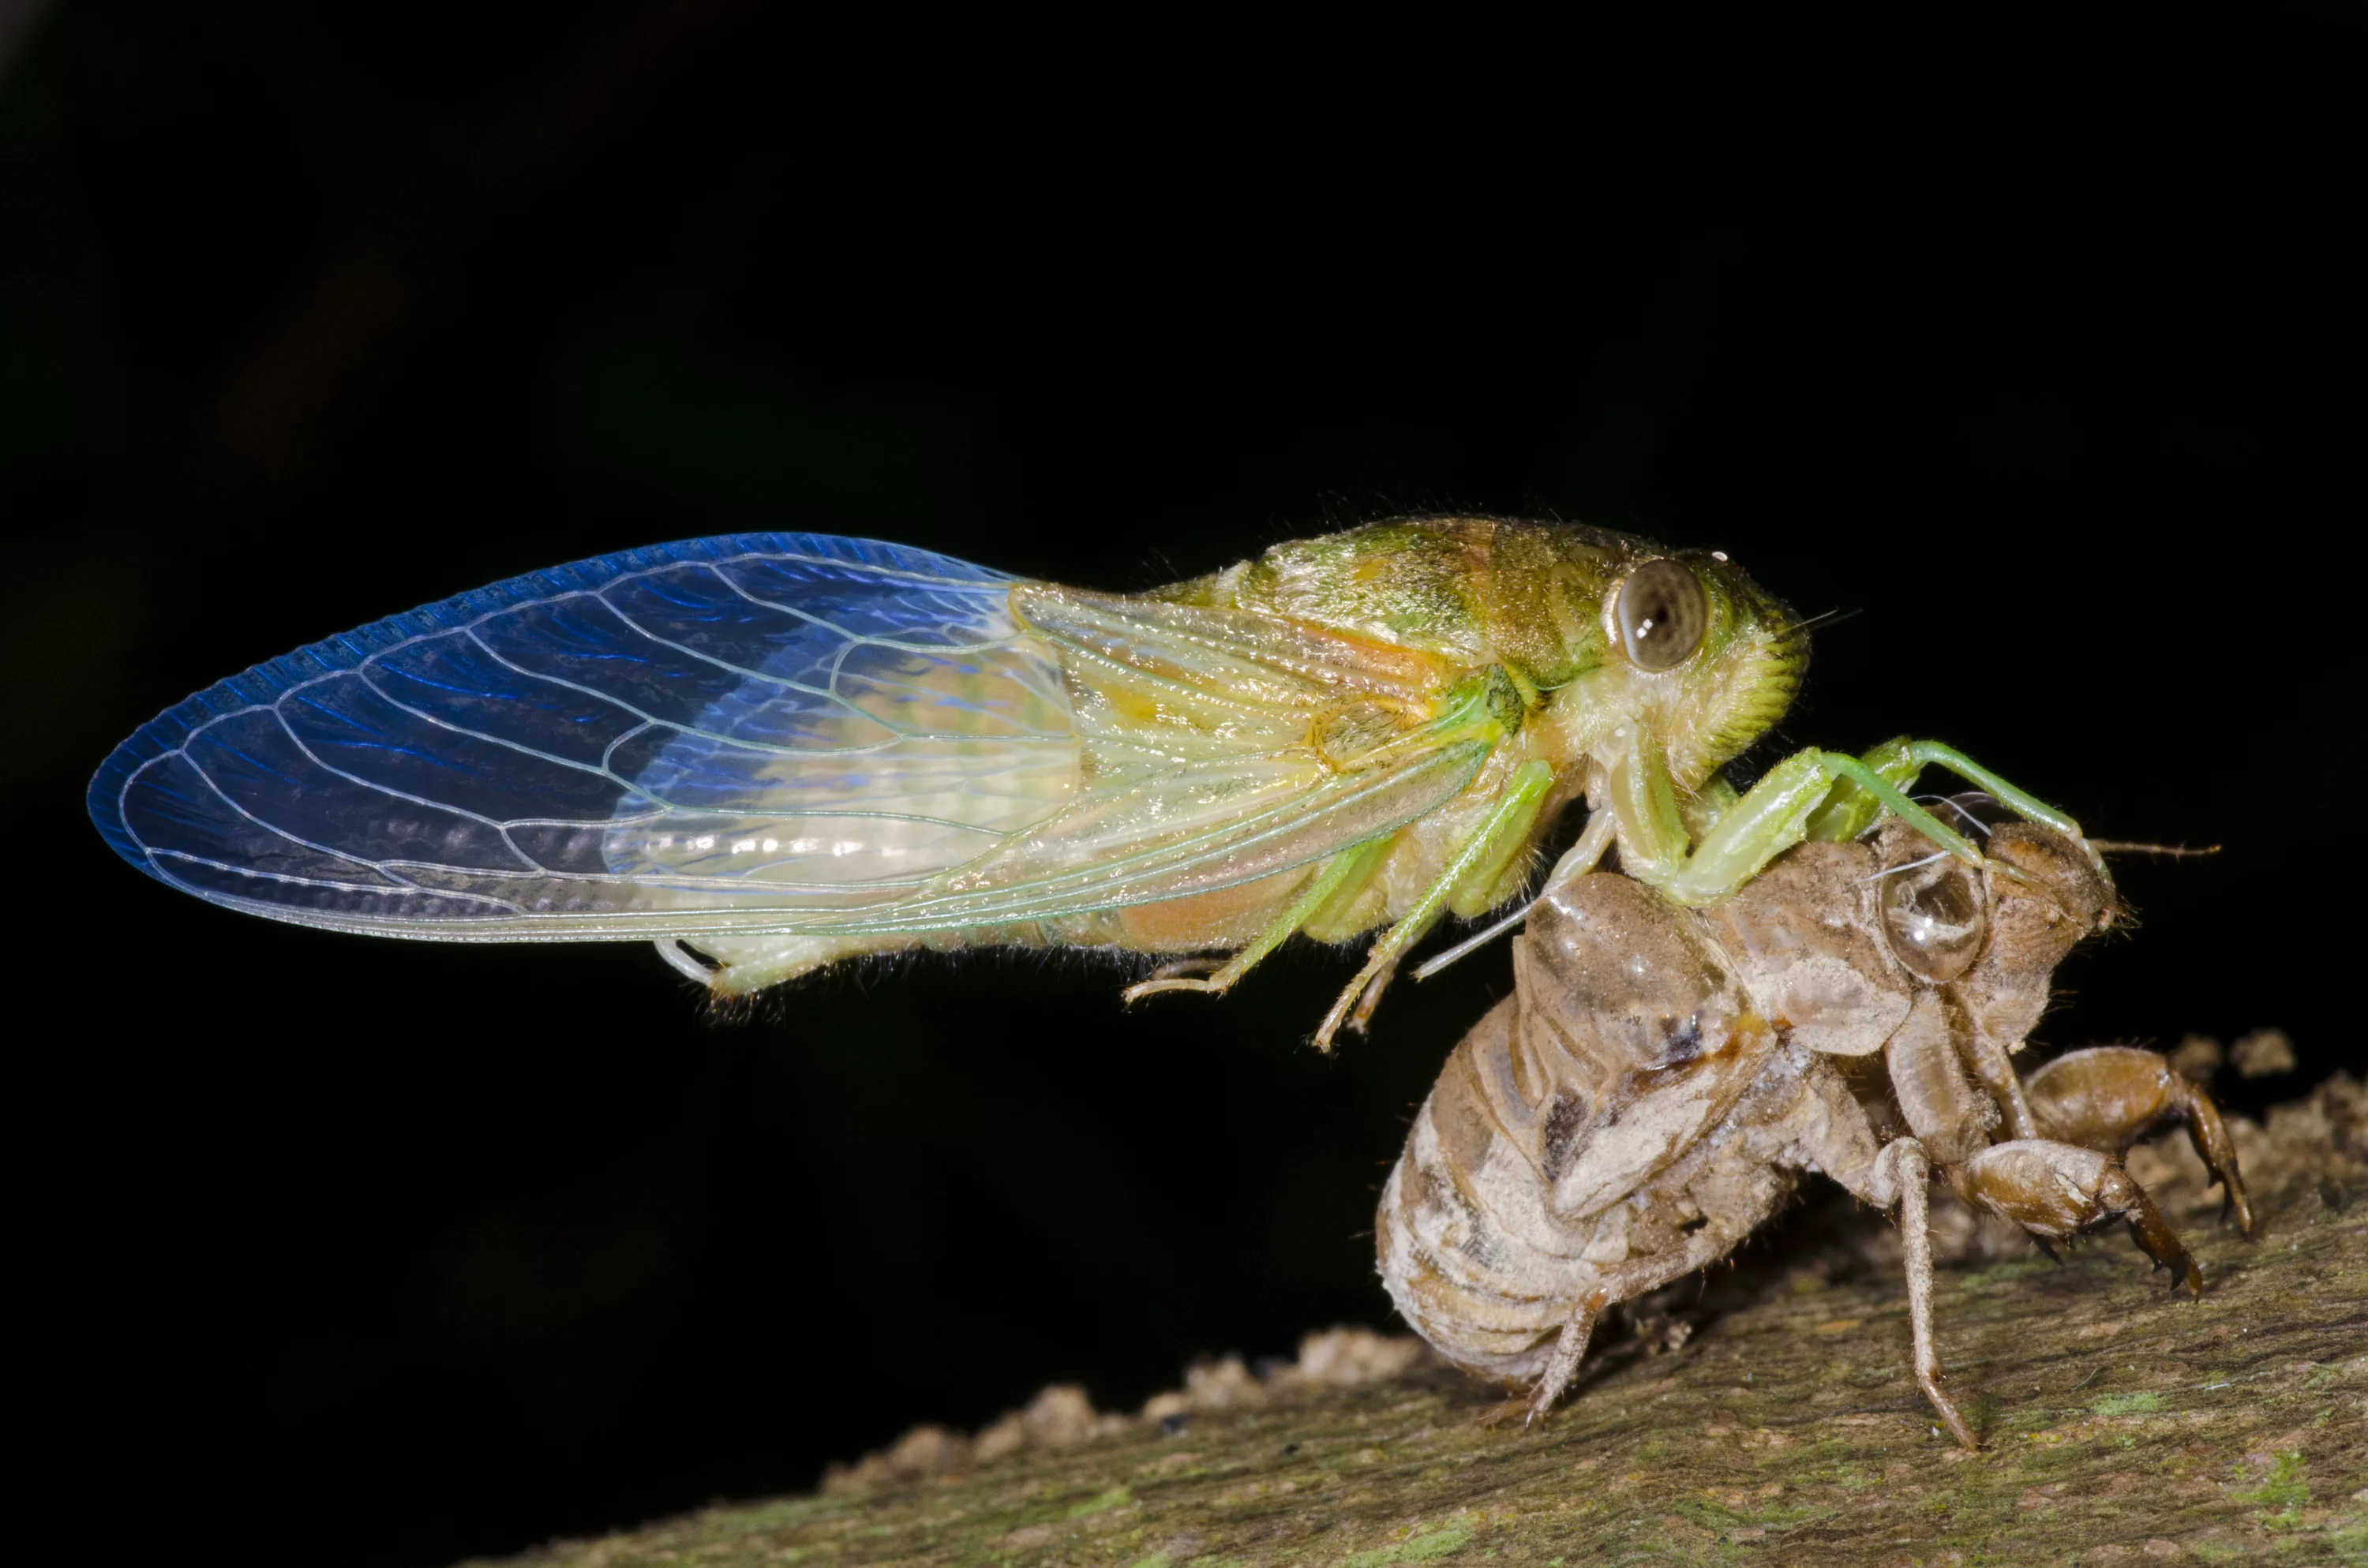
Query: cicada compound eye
{"x": 1935, "y": 917}
{"x": 1661, "y": 614}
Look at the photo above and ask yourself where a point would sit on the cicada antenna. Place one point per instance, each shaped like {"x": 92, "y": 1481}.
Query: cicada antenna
{"x": 1831, "y": 617}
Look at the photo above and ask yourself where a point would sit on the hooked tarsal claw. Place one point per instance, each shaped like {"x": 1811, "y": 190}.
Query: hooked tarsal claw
{"x": 2158, "y": 1242}
{"x": 2108, "y": 1096}
{"x": 2044, "y": 1245}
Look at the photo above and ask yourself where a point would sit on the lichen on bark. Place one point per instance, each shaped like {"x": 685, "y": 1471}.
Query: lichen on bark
{"x": 2119, "y": 1423}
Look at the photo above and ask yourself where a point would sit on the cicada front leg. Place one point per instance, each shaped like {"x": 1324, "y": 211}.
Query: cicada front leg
{"x": 1857, "y": 804}
{"x": 1810, "y": 795}
{"x": 2056, "y": 1190}
{"x": 2108, "y": 1096}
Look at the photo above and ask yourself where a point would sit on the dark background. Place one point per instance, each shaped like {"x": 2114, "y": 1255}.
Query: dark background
{"x": 334, "y": 1250}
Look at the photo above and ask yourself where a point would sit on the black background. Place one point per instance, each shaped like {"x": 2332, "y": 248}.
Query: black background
{"x": 334, "y": 1250}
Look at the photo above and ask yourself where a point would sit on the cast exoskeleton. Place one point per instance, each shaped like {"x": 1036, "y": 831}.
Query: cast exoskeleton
{"x": 1661, "y": 1074}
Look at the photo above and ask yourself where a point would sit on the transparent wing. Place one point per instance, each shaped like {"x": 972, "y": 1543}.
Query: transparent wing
{"x": 770, "y": 720}
{"x": 768, "y": 732}
{"x": 1277, "y": 818}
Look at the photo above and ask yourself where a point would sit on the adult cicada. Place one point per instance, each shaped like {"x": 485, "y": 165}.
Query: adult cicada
{"x": 1660, "y": 1076}
{"x": 771, "y": 751}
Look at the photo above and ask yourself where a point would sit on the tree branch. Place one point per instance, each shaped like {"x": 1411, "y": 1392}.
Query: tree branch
{"x": 2119, "y": 1423}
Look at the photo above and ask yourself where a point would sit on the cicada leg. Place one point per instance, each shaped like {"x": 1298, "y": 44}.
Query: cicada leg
{"x": 1987, "y": 1062}
{"x": 1176, "y": 968}
{"x": 2056, "y": 1190}
{"x": 1576, "y": 861}
{"x": 2108, "y": 1096}
{"x": 1626, "y": 1281}
{"x": 1849, "y": 810}
{"x": 1910, "y": 1173}
{"x": 1811, "y": 794}
{"x": 1344, "y": 873}
{"x": 1897, "y": 1175}
{"x": 1570, "y": 1348}
{"x": 1477, "y": 867}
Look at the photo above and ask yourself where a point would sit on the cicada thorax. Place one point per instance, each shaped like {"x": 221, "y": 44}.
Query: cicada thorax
{"x": 1476, "y": 590}
{"x": 1802, "y": 937}
{"x": 1326, "y": 659}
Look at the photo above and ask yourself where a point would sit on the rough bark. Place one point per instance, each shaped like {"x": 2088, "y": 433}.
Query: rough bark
{"x": 2119, "y": 1423}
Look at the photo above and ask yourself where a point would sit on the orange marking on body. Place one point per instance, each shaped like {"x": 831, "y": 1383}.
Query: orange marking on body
{"x": 1223, "y": 917}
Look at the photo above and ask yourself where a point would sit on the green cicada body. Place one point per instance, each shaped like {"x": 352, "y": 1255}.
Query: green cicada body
{"x": 771, "y": 751}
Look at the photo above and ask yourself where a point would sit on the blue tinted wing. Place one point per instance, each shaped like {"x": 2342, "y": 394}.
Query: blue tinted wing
{"x": 743, "y": 732}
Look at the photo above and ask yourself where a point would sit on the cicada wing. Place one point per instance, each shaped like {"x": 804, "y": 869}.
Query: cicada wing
{"x": 714, "y": 730}
{"x": 1252, "y": 663}
{"x": 1200, "y": 735}
{"x": 771, "y": 734}
{"x": 1273, "y": 814}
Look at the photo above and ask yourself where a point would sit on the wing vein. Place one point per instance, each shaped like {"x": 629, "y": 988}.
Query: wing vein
{"x": 220, "y": 793}
{"x": 842, "y": 632}
{"x": 298, "y": 742}
{"x": 291, "y": 880}
{"x": 602, "y": 768}
{"x": 1115, "y": 879}
{"x": 766, "y": 746}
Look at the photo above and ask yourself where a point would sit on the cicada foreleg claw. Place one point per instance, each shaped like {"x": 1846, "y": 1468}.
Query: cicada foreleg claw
{"x": 2057, "y": 1191}
{"x": 2108, "y": 1096}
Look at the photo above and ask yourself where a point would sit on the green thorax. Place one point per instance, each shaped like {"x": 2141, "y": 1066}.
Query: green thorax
{"x": 1476, "y": 590}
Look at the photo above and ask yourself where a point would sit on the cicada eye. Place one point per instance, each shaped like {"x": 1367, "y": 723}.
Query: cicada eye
{"x": 1935, "y": 918}
{"x": 1662, "y": 614}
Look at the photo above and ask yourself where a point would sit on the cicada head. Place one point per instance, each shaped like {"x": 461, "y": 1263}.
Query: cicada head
{"x": 1678, "y": 647}
{"x": 1754, "y": 652}
{"x": 1628, "y": 637}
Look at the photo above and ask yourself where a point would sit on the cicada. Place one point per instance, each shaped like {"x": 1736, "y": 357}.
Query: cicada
{"x": 769, "y": 752}
{"x": 1661, "y": 1076}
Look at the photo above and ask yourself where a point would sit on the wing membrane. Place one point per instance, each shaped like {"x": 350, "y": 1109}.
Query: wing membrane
{"x": 1305, "y": 824}
{"x": 769, "y": 733}
{"x": 1255, "y": 661}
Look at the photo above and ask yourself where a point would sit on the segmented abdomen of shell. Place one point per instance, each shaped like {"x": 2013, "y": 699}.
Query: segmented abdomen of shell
{"x": 1560, "y": 1138}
